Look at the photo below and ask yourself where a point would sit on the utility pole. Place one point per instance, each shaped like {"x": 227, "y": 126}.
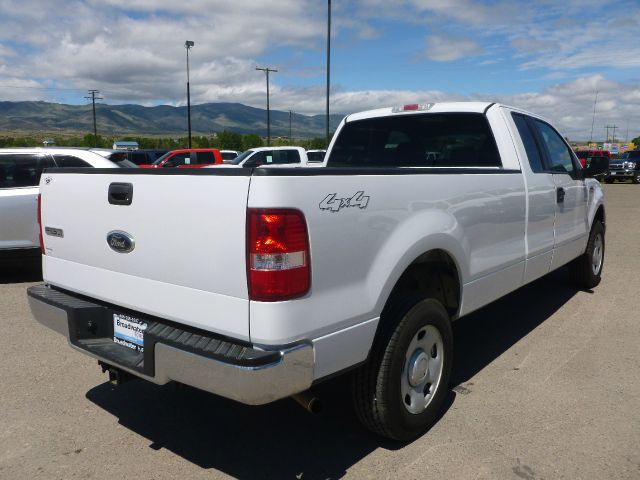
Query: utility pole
{"x": 290, "y": 139}
{"x": 328, "y": 64}
{"x": 267, "y": 70}
{"x": 613, "y": 127}
{"x": 188, "y": 45}
{"x": 594, "y": 116}
{"x": 626, "y": 137}
{"x": 93, "y": 99}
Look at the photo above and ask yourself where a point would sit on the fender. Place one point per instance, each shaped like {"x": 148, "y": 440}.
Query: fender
{"x": 419, "y": 234}
{"x": 595, "y": 199}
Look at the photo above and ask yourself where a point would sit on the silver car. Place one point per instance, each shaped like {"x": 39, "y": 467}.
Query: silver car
{"x": 20, "y": 171}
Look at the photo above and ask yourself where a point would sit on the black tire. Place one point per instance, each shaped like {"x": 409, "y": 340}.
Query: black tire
{"x": 377, "y": 386}
{"x": 583, "y": 269}
{"x": 636, "y": 178}
{"x": 608, "y": 180}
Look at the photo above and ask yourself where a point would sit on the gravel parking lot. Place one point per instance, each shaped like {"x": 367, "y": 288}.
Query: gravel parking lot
{"x": 546, "y": 385}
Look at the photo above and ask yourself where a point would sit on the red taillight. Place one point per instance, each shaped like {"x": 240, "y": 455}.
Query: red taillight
{"x": 40, "y": 224}
{"x": 278, "y": 259}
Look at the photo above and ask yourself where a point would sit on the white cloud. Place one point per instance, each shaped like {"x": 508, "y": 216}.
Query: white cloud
{"x": 442, "y": 48}
{"x": 133, "y": 51}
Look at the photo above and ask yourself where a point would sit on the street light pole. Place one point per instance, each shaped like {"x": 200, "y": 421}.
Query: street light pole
{"x": 267, "y": 70}
{"x": 188, "y": 44}
{"x": 328, "y": 65}
{"x": 291, "y": 140}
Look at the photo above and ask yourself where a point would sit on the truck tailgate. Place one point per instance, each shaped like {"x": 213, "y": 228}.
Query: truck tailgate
{"x": 187, "y": 263}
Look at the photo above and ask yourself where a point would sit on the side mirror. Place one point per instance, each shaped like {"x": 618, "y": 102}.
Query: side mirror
{"x": 595, "y": 166}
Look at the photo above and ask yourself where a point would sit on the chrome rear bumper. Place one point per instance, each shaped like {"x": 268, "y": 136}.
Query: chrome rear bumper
{"x": 251, "y": 376}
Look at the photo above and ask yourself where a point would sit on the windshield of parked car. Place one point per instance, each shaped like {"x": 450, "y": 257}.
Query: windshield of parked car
{"x": 240, "y": 158}
{"x": 629, "y": 156}
{"x": 315, "y": 156}
{"x": 161, "y": 159}
{"x": 226, "y": 156}
{"x": 125, "y": 163}
{"x": 584, "y": 154}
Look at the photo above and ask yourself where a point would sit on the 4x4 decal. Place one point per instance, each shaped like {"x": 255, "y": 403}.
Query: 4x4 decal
{"x": 334, "y": 204}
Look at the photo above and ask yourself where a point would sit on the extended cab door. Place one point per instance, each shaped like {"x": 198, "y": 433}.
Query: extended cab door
{"x": 571, "y": 195}
{"x": 541, "y": 199}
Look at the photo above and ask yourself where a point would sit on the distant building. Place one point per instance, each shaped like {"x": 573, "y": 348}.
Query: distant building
{"x": 49, "y": 142}
{"x": 121, "y": 145}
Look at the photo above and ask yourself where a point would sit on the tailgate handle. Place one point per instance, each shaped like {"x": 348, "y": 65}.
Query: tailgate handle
{"x": 120, "y": 193}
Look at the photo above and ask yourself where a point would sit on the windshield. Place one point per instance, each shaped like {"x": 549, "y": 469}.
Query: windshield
{"x": 161, "y": 159}
{"x": 629, "y": 156}
{"x": 315, "y": 156}
{"x": 583, "y": 154}
{"x": 228, "y": 155}
{"x": 240, "y": 158}
{"x": 125, "y": 163}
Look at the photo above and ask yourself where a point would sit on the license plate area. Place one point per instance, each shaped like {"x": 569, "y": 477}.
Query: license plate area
{"x": 128, "y": 331}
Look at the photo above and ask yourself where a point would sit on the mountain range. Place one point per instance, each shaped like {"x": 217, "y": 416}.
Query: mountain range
{"x": 118, "y": 120}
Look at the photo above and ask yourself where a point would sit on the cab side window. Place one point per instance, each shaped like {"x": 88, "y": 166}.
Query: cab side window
{"x": 529, "y": 142}
{"x": 178, "y": 159}
{"x": 205, "y": 157}
{"x": 560, "y": 156}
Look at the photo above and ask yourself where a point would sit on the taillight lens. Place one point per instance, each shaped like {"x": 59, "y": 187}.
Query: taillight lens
{"x": 40, "y": 224}
{"x": 278, "y": 257}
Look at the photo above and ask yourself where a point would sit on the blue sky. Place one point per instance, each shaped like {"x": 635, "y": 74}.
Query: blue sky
{"x": 546, "y": 56}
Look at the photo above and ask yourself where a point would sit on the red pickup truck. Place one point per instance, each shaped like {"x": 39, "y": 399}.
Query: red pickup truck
{"x": 584, "y": 154}
{"x": 188, "y": 158}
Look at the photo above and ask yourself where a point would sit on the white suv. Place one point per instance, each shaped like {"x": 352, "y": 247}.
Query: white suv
{"x": 20, "y": 170}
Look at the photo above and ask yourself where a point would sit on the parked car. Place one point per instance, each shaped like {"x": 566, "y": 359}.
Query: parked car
{"x": 584, "y": 154}
{"x": 20, "y": 171}
{"x": 272, "y": 156}
{"x": 187, "y": 158}
{"x": 144, "y": 157}
{"x": 316, "y": 156}
{"x": 625, "y": 167}
{"x": 229, "y": 155}
{"x": 422, "y": 214}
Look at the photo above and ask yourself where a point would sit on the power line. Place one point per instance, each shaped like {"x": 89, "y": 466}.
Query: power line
{"x": 93, "y": 99}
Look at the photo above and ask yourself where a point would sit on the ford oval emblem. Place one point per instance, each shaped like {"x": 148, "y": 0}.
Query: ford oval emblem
{"x": 120, "y": 242}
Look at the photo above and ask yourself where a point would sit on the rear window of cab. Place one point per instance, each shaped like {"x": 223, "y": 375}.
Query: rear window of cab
{"x": 22, "y": 170}
{"x": 425, "y": 140}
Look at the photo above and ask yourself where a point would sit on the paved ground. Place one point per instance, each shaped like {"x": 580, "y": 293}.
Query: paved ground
{"x": 546, "y": 386}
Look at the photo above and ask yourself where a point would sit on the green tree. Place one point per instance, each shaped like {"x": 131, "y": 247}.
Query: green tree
{"x": 636, "y": 142}
{"x": 251, "y": 141}
{"x": 229, "y": 140}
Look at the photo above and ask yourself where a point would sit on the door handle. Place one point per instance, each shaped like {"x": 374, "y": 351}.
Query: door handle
{"x": 120, "y": 193}
{"x": 560, "y": 195}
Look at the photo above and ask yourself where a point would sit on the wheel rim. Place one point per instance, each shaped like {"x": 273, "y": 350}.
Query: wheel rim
{"x": 422, "y": 369}
{"x": 598, "y": 253}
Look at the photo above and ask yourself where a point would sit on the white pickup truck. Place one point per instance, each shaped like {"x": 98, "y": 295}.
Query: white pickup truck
{"x": 272, "y": 157}
{"x": 256, "y": 284}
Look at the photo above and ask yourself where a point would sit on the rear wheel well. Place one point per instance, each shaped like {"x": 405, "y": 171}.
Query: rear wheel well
{"x": 434, "y": 275}
{"x": 599, "y": 216}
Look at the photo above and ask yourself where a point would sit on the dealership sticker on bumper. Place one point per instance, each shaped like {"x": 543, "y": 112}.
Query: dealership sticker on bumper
{"x": 129, "y": 331}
